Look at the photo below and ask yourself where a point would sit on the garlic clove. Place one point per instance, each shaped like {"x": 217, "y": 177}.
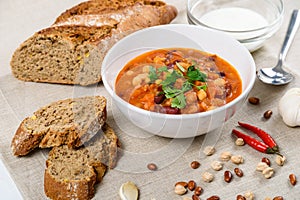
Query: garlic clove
{"x": 289, "y": 107}
{"x": 128, "y": 191}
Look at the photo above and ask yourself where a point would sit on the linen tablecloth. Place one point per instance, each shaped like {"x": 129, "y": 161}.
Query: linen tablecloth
{"x": 19, "y": 19}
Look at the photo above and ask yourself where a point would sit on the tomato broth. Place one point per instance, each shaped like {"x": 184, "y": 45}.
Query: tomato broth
{"x": 178, "y": 81}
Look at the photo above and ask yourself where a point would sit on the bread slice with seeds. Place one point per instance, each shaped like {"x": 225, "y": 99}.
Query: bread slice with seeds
{"x": 73, "y": 173}
{"x": 71, "y": 121}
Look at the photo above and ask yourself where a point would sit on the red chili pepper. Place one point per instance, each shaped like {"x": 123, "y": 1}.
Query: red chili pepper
{"x": 259, "y": 146}
{"x": 262, "y": 134}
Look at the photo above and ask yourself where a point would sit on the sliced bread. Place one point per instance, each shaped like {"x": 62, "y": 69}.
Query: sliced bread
{"x": 72, "y": 51}
{"x": 72, "y": 173}
{"x": 62, "y": 54}
{"x": 72, "y": 122}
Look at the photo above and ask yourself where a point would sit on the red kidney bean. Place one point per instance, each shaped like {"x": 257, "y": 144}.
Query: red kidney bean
{"x": 170, "y": 110}
{"x": 159, "y": 98}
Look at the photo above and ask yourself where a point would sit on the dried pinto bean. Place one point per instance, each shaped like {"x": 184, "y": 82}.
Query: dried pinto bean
{"x": 253, "y": 100}
{"x": 238, "y": 172}
{"x": 227, "y": 176}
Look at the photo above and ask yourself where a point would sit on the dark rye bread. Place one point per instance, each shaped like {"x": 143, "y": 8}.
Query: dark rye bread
{"x": 62, "y": 54}
{"x": 71, "y": 121}
{"x": 73, "y": 173}
{"x": 72, "y": 50}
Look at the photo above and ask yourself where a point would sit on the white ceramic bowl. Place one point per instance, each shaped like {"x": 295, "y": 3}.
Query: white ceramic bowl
{"x": 186, "y": 36}
{"x": 251, "y": 22}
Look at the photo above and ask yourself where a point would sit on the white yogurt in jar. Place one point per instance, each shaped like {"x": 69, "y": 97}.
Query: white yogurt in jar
{"x": 234, "y": 19}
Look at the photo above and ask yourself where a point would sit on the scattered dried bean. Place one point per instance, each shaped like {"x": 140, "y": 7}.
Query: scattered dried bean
{"x": 191, "y": 185}
{"x": 195, "y": 197}
{"x": 268, "y": 114}
{"x": 240, "y": 197}
{"x": 249, "y": 195}
{"x": 225, "y": 156}
{"x": 261, "y": 166}
{"x": 253, "y": 100}
{"x": 213, "y": 198}
{"x": 238, "y": 172}
{"x": 293, "y": 179}
{"x": 209, "y": 150}
{"x": 216, "y": 165}
{"x": 198, "y": 191}
{"x": 184, "y": 184}
{"x": 266, "y": 160}
{"x": 227, "y": 176}
{"x": 180, "y": 190}
{"x": 280, "y": 160}
{"x": 152, "y": 166}
{"x": 195, "y": 164}
{"x": 239, "y": 142}
{"x": 207, "y": 177}
{"x": 268, "y": 172}
{"x": 238, "y": 159}
{"x": 278, "y": 198}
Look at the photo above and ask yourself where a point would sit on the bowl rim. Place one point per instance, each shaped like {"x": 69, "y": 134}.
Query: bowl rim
{"x": 193, "y": 19}
{"x": 223, "y": 108}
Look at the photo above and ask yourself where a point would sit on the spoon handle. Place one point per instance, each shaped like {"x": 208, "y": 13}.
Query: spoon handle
{"x": 291, "y": 32}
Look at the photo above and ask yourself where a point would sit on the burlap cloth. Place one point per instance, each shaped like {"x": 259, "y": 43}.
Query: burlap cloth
{"x": 173, "y": 157}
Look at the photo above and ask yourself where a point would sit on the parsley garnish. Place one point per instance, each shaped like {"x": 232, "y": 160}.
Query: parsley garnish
{"x": 194, "y": 74}
{"x": 177, "y": 97}
{"x": 152, "y": 74}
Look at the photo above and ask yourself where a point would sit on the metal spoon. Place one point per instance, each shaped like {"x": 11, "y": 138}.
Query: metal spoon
{"x": 276, "y": 75}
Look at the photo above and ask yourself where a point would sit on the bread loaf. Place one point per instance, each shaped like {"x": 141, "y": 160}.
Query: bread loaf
{"x": 72, "y": 122}
{"x": 72, "y": 50}
{"x": 72, "y": 173}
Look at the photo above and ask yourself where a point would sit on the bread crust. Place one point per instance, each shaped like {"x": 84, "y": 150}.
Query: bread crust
{"x": 72, "y": 50}
{"x": 70, "y": 189}
{"x": 61, "y": 179}
{"x": 40, "y": 131}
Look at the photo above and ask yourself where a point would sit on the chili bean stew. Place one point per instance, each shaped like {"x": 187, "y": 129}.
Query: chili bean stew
{"x": 178, "y": 81}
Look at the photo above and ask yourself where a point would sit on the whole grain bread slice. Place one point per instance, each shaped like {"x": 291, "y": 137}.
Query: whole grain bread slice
{"x": 73, "y": 173}
{"x": 62, "y": 54}
{"x": 72, "y": 51}
{"x": 71, "y": 121}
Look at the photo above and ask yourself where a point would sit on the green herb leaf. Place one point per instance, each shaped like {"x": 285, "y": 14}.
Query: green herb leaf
{"x": 179, "y": 101}
{"x": 194, "y": 74}
{"x": 170, "y": 92}
{"x": 152, "y": 74}
{"x": 171, "y": 78}
{"x": 199, "y": 87}
{"x": 162, "y": 69}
